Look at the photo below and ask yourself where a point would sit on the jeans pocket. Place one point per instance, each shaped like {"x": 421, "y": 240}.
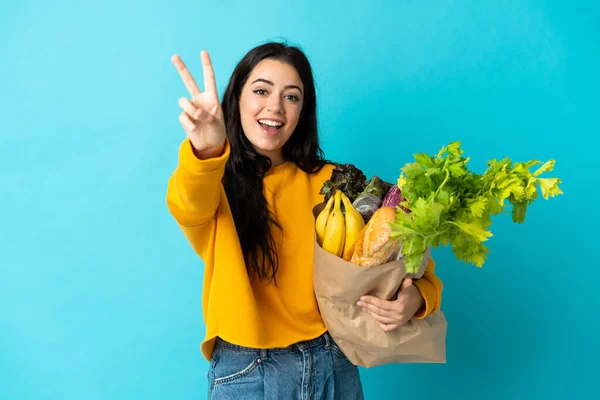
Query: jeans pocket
{"x": 230, "y": 366}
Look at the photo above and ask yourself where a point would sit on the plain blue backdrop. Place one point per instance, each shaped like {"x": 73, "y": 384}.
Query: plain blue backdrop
{"x": 100, "y": 294}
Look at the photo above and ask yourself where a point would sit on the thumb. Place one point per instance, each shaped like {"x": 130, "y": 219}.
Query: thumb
{"x": 406, "y": 283}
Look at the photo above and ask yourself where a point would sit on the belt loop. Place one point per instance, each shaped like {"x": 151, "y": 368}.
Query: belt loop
{"x": 263, "y": 354}
{"x": 328, "y": 340}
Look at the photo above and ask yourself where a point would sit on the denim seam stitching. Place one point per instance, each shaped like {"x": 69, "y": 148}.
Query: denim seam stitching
{"x": 232, "y": 377}
{"x": 303, "y": 374}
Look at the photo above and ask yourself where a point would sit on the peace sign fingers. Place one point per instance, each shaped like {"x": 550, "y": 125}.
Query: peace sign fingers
{"x": 202, "y": 116}
{"x": 210, "y": 85}
{"x": 188, "y": 79}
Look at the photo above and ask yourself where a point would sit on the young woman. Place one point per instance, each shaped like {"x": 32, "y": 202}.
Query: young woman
{"x": 249, "y": 174}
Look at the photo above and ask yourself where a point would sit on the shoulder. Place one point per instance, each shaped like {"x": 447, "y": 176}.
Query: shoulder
{"x": 324, "y": 173}
{"x": 328, "y": 167}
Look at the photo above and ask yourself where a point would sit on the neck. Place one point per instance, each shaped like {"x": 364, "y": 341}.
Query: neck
{"x": 277, "y": 161}
{"x": 276, "y": 157}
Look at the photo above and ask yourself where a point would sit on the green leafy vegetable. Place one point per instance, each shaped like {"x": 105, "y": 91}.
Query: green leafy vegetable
{"x": 451, "y": 205}
{"x": 347, "y": 178}
{"x": 376, "y": 187}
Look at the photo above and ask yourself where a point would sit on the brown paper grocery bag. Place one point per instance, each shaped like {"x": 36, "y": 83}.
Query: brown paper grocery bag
{"x": 339, "y": 285}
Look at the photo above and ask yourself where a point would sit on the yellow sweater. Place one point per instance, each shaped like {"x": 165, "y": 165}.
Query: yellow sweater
{"x": 257, "y": 314}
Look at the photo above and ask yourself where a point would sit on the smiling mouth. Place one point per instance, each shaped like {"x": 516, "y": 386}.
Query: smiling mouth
{"x": 270, "y": 127}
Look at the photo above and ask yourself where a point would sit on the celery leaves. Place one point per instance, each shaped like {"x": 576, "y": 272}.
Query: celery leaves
{"x": 451, "y": 205}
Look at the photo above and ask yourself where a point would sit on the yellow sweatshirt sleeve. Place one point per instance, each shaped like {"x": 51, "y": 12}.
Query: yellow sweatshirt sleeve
{"x": 194, "y": 194}
{"x": 431, "y": 288}
{"x": 194, "y": 188}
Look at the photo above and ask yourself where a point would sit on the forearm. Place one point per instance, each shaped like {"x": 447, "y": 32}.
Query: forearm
{"x": 194, "y": 188}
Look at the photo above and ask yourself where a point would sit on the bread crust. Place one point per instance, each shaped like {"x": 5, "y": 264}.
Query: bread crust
{"x": 374, "y": 245}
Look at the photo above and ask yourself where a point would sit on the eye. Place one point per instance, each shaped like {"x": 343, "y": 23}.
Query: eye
{"x": 293, "y": 98}
{"x": 260, "y": 92}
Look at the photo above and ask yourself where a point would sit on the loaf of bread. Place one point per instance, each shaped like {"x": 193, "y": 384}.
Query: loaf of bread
{"x": 374, "y": 246}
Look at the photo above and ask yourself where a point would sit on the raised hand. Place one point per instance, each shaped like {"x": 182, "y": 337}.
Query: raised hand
{"x": 202, "y": 116}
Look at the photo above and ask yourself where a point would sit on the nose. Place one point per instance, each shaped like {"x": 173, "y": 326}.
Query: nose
{"x": 274, "y": 105}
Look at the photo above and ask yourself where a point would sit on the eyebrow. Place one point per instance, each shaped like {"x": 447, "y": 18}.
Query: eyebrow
{"x": 271, "y": 83}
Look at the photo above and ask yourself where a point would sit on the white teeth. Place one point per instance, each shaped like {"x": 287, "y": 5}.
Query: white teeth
{"x": 269, "y": 122}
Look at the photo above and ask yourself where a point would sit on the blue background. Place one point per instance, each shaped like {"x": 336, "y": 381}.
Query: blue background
{"x": 100, "y": 294}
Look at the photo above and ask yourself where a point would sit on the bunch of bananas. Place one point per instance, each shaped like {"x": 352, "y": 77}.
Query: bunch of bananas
{"x": 337, "y": 229}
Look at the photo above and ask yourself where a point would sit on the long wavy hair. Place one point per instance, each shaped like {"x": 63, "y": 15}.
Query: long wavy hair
{"x": 246, "y": 168}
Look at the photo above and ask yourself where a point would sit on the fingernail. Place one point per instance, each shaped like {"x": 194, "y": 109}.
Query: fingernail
{"x": 363, "y": 298}
{"x": 198, "y": 114}
{"x": 360, "y": 303}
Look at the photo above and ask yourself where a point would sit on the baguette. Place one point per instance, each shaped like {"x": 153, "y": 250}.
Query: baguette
{"x": 374, "y": 245}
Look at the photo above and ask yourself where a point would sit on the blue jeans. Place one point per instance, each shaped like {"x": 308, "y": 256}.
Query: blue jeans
{"x": 314, "y": 369}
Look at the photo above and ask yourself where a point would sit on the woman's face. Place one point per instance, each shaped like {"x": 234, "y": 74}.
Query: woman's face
{"x": 270, "y": 106}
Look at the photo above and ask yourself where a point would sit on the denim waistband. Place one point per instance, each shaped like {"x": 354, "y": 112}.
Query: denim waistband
{"x": 323, "y": 340}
